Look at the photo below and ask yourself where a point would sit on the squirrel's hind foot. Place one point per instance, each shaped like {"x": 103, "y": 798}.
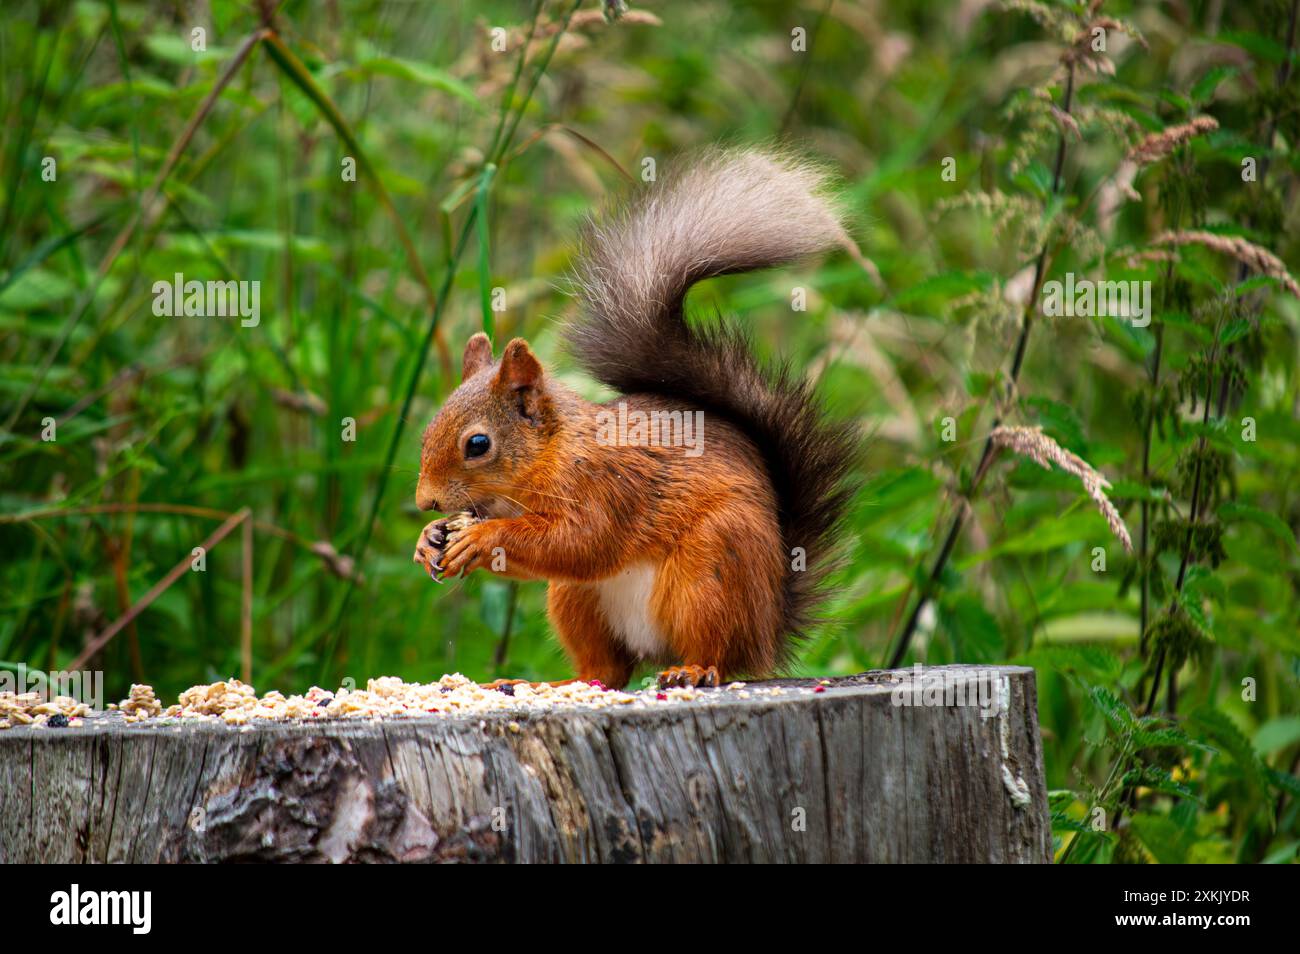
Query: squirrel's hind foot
{"x": 689, "y": 676}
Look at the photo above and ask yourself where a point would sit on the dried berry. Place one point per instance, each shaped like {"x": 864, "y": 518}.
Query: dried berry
{"x": 57, "y": 721}
{"x": 506, "y": 688}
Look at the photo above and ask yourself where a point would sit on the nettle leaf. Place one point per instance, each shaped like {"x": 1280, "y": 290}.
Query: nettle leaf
{"x": 1284, "y": 782}
{"x": 1214, "y": 726}
{"x": 1192, "y": 598}
{"x": 889, "y": 491}
{"x": 1277, "y": 734}
{"x": 1035, "y": 179}
{"x": 1185, "y": 322}
{"x": 1230, "y": 145}
{"x": 1117, "y": 714}
{"x": 1059, "y": 799}
{"x": 1047, "y": 535}
{"x": 1260, "y": 47}
{"x": 1255, "y": 282}
{"x": 1135, "y": 490}
{"x": 1092, "y": 664}
{"x": 1160, "y": 780}
{"x": 1235, "y": 330}
{"x": 1192, "y": 607}
{"x": 975, "y": 634}
{"x": 1093, "y": 627}
{"x": 1233, "y": 512}
{"x": 1178, "y": 101}
{"x": 1062, "y": 822}
{"x": 1287, "y": 853}
{"x": 945, "y": 287}
{"x": 35, "y": 289}
{"x": 1060, "y": 421}
{"x": 420, "y": 73}
{"x": 1163, "y": 837}
{"x": 1167, "y": 737}
{"x": 1207, "y": 84}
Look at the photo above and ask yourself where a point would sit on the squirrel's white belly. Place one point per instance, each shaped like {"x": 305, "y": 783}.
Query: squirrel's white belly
{"x": 625, "y": 601}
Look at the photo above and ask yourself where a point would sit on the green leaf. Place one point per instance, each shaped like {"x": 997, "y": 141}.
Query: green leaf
{"x": 1135, "y": 490}
{"x": 176, "y": 49}
{"x": 1277, "y": 734}
{"x": 1192, "y": 607}
{"x": 1120, "y": 718}
{"x": 1288, "y": 853}
{"x": 1233, "y": 512}
{"x": 1235, "y": 330}
{"x": 1158, "y": 779}
{"x": 1048, "y": 534}
{"x": 889, "y": 491}
{"x": 1220, "y": 731}
{"x": 36, "y": 289}
{"x": 1203, "y": 583}
{"x": 1261, "y": 47}
{"x": 1118, "y": 628}
{"x": 1061, "y": 422}
{"x": 420, "y": 73}
{"x": 1036, "y": 179}
{"x": 1163, "y": 837}
{"x": 1162, "y": 738}
{"x": 1093, "y": 664}
{"x": 1207, "y": 84}
{"x": 945, "y": 287}
{"x": 975, "y": 634}
{"x": 1283, "y": 782}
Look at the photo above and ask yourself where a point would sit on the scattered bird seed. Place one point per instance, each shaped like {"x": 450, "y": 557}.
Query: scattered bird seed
{"x": 237, "y": 703}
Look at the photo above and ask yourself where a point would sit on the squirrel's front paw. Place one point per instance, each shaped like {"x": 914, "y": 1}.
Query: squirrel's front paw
{"x": 467, "y": 550}
{"x": 433, "y": 541}
{"x": 428, "y": 551}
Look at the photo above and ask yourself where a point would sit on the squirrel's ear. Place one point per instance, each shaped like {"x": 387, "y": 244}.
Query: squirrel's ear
{"x": 478, "y": 355}
{"x": 520, "y": 368}
{"x": 520, "y": 374}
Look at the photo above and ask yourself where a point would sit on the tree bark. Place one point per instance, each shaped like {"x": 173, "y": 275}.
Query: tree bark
{"x": 845, "y": 774}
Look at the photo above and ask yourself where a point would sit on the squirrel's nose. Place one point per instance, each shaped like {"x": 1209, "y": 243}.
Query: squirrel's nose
{"x": 424, "y": 498}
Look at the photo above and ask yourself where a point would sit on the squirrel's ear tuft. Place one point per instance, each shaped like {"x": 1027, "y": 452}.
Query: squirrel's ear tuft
{"x": 520, "y": 368}
{"x": 478, "y": 355}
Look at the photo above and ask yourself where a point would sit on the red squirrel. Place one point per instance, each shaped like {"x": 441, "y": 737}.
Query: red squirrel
{"x": 708, "y": 559}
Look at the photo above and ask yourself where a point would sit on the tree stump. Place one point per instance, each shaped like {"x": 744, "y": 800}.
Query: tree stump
{"x": 844, "y": 774}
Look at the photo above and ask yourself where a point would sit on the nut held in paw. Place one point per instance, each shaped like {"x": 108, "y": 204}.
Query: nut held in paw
{"x": 434, "y": 537}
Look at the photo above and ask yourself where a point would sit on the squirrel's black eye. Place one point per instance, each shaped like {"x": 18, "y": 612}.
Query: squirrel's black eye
{"x": 477, "y": 445}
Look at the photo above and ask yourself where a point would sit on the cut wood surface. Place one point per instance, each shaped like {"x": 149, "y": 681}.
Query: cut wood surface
{"x": 844, "y": 774}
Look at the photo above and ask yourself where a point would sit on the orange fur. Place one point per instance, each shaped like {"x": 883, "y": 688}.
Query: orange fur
{"x": 652, "y": 553}
{"x": 564, "y": 507}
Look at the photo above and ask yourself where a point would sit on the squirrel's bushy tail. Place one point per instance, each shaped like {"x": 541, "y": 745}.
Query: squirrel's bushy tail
{"x": 723, "y": 212}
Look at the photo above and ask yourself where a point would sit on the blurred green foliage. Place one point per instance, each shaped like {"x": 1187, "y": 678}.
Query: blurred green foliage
{"x": 157, "y": 416}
